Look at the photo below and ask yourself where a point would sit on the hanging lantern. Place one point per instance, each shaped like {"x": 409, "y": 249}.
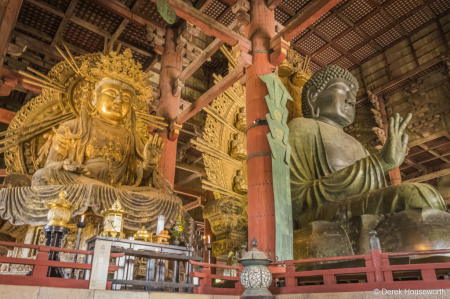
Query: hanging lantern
{"x": 143, "y": 235}
{"x": 113, "y": 220}
{"x": 59, "y": 213}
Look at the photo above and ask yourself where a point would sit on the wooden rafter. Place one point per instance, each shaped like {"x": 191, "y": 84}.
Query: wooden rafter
{"x": 305, "y": 18}
{"x": 188, "y": 191}
{"x": 430, "y": 176}
{"x": 211, "y": 94}
{"x": 403, "y": 77}
{"x": 194, "y": 204}
{"x": 126, "y": 13}
{"x": 209, "y": 25}
{"x": 189, "y": 179}
{"x": 7, "y": 25}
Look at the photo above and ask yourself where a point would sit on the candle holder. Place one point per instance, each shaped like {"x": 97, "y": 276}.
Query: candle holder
{"x": 81, "y": 224}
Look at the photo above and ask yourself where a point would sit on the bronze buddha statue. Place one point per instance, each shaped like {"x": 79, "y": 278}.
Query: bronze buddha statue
{"x": 339, "y": 192}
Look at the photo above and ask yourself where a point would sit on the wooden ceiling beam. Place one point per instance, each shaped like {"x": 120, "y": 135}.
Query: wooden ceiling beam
{"x": 201, "y": 59}
{"x": 46, "y": 37}
{"x": 202, "y": 4}
{"x": 150, "y": 63}
{"x": 39, "y": 46}
{"x": 188, "y": 191}
{"x": 211, "y": 94}
{"x": 194, "y": 204}
{"x": 188, "y": 167}
{"x": 47, "y": 7}
{"x": 127, "y": 13}
{"x": 65, "y": 20}
{"x": 209, "y": 25}
{"x": 8, "y": 22}
{"x": 429, "y": 176}
{"x": 189, "y": 179}
{"x": 305, "y": 18}
{"x": 6, "y": 117}
{"x": 117, "y": 33}
{"x": 405, "y": 76}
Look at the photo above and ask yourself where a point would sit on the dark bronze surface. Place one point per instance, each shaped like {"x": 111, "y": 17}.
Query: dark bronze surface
{"x": 339, "y": 192}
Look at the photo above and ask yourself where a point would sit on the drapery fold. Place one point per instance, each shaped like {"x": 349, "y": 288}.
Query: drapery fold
{"x": 26, "y": 205}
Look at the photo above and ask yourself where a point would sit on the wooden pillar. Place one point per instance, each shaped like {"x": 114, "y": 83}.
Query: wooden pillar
{"x": 261, "y": 206}
{"x": 9, "y": 10}
{"x": 394, "y": 175}
{"x": 169, "y": 105}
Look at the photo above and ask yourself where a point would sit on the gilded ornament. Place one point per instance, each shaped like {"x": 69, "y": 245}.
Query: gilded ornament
{"x": 59, "y": 213}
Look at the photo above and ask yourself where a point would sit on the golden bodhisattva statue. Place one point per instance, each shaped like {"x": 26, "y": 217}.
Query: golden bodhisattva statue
{"x": 339, "y": 191}
{"x": 239, "y": 183}
{"x": 241, "y": 123}
{"x": 238, "y": 150}
{"x": 104, "y": 153}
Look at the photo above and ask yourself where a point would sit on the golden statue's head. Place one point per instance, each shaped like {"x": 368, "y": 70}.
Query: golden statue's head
{"x": 119, "y": 82}
{"x": 113, "y": 99}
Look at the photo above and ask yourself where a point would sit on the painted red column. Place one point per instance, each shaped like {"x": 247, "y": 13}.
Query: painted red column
{"x": 171, "y": 64}
{"x": 261, "y": 206}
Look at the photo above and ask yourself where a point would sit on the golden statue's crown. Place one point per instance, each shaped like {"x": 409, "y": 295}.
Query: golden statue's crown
{"x": 120, "y": 67}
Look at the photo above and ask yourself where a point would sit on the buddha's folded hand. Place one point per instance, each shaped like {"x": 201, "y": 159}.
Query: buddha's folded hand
{"x": 393, "y": 152}
{"x": 152, "y": 151}
{"x": 76, "y": 167}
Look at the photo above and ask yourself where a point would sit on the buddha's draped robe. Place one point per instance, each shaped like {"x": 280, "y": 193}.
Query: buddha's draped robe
{"x": 333, "y": 178}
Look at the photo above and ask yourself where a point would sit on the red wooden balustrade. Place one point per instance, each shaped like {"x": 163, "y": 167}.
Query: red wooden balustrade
{"x": 377, "y": 271}
{"x": 40, "y": 268}
{"x": 206, "y": 278}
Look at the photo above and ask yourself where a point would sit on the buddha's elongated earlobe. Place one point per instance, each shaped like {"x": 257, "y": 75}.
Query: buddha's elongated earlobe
{"x": 313, "y": 114}
{"x": 311, "y": 108}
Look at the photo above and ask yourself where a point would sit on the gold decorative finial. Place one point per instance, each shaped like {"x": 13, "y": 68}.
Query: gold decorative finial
{"x": 59, "y": 213}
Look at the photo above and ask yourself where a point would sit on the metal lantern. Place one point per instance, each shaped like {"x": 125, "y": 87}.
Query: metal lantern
{"x": 143, "y": 235}
{"x": 113, "y": 220}
{"x": 255, "y": 277}
{"x": 59, "y": 213}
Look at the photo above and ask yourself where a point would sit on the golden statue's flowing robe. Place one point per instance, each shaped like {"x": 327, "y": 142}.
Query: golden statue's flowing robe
{"x": 333, "y": 177}
{"x": 113, "y": 156}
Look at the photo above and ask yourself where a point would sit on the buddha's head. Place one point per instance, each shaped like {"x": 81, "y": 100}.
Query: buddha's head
{"x": 331, "y": 95}
{"x": 243, "y": 110}
{"x": 113, "y": 99}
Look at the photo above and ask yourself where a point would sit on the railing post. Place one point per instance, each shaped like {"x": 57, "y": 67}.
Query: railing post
{"x": 39, "y": 270}
{"x": 205, "y": 282}
{"x": 375, "y": 253}
{"x": 238, "y": 286}
{"x": 428, "y": 274}
{"x": 329, "y": 279}
{"x": 290, "y": 269}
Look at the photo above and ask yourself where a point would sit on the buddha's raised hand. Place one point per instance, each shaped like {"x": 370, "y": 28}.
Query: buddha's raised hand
{"x": 394, "y": 150}
{"x": 152, "y": 151}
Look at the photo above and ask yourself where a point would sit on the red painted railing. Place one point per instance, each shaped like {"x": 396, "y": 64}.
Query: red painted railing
{"x": 40, "y": 268}
{"x": 205, "y": 277}
{"x": 377, "y": 274}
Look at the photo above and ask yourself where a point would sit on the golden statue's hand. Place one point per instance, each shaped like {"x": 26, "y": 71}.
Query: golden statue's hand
{"x": 152, "y": 151}
{"x": 72, "y": 166}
